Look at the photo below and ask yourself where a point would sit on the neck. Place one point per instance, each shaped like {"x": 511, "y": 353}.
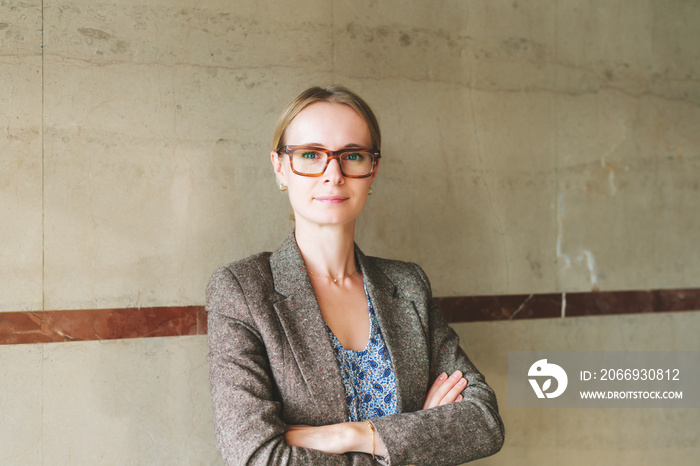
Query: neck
{"x": 327, "y": 250}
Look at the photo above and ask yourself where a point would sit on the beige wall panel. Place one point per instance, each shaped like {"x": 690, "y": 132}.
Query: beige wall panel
{"x": 418, "y": 212}
{"x": 210, "y": 33}
{"x": 142, "y": 216}
{"x": 141, "y": 401}
{"x": 627, "y": 155}
{"x": 20, "y": 29}
{"x": 517, "y": 119}
{"x": 635, "y": 47}
{"x": 21, "y": 404}
{"x": 158, "y": 161}
{"x": 628, "y": 436}
{"x": 627, "y": 177}
{"x": 553, "y": 437}
{"x": 455, "y": 194}
{"x": 401, "y": 40}
{"x": 577, "y": 97}
{"x": 20, "y": 184}
{"x": 20, "y": 157}
{"x": 677, "y": 254}
{"x": 511, "y": 47}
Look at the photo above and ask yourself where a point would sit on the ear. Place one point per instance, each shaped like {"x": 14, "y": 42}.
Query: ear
{"x": 277, "y": 166}
{"x": 376, "y": 170}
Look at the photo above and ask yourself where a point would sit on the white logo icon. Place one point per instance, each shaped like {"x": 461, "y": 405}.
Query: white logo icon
{"x": 544, "y": 369}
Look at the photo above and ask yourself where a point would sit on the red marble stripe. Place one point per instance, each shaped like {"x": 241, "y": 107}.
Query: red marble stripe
{"x": 505, "y": 307}
{"x": 101, "y": 324}
{"x": 595, "y": 303}
{"x": 110, "y": 324}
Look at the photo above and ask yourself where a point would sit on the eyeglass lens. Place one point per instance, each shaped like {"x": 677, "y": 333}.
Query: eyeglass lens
{"x": 353, "y": 163}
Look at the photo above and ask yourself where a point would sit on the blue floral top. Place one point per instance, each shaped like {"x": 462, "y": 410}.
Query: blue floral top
{"x": 368, "y": 375}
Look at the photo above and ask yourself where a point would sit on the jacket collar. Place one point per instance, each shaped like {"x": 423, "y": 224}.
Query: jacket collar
{"x": 291, "y": 278}
{"x": 306, "y": 331}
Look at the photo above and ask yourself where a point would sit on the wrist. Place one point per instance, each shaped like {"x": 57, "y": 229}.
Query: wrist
{"x": 358, "y": 437}
{"x": 349, "y": 436}
{"x": 365, "y": 439}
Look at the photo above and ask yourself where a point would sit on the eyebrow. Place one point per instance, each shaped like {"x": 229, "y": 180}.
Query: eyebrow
{"x": 321, "y": 146}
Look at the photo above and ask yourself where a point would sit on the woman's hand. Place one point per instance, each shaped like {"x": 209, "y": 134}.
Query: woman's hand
{"x": 445, "y": 390}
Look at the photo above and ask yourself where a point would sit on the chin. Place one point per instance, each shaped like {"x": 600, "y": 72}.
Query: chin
{"x": 327, "y": 220}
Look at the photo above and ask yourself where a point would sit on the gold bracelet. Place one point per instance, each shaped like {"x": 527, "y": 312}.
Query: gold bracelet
{"x": 371, "y": 428}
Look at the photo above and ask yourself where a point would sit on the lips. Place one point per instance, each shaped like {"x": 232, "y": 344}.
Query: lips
{"x": 331, "y": 199}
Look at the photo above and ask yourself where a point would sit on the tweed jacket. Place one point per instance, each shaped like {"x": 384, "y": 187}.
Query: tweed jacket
{"x": 272, "y": 365}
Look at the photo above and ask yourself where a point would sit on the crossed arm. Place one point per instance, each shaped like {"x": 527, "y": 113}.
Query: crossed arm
{"x": 358, "y": 436}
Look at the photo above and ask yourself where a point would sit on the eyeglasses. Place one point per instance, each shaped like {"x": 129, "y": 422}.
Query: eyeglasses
{"x": 312, "y": 161}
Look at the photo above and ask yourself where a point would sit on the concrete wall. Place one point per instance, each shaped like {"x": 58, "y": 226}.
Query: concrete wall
{"x": 529, "y": 147}
{"x": 580, "y": 437}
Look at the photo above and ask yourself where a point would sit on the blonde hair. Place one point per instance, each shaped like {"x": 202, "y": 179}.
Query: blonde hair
{"x": 331, "y": 94}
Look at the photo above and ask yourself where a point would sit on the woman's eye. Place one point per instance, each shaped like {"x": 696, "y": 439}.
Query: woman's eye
{"x": 309, "y": 155}
{"x": 354, "y": 156}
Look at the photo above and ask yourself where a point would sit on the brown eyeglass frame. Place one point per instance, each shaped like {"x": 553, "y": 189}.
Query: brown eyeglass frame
{"x": 330, "y": 155}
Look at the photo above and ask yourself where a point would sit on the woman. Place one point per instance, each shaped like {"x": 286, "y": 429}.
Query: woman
{"x": 322, "y": 355}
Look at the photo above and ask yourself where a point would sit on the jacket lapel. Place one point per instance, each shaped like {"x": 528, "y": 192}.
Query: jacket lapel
{"x": 306, "y": 332}
{"x": 398, "y": 320}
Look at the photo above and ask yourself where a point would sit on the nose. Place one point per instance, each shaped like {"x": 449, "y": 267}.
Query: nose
{"x": 333, "y": 173}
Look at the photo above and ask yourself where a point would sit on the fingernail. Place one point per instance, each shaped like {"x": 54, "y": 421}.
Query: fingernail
{"x": 457, "y": 374}
{"x": 462, "y": 382}
{"x": 443, "y": 376}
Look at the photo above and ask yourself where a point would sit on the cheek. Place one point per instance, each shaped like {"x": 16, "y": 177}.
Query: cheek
{"x": 299, "y": 187}
{"x": 363, "y": 198}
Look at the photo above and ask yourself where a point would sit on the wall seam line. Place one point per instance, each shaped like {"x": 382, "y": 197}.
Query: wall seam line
{"x": 43, "y": 221}
{"x": 333, "y": 42}
{"x": 43, "y": 167}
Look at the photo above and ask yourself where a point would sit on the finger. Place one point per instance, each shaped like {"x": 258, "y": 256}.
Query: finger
{"x": 454, "y": 392}
{"x": 437, "y": 392}
{"x": 431, "y": 393}
{"x": 443, "y": 389}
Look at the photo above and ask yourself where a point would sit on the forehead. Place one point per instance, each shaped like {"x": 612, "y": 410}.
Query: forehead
{"x": 329, "y": 124}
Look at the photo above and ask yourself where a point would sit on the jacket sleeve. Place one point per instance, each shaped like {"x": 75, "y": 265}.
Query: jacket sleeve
{"x": 450, "y": 434}
{"x": 246, "y": 403}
